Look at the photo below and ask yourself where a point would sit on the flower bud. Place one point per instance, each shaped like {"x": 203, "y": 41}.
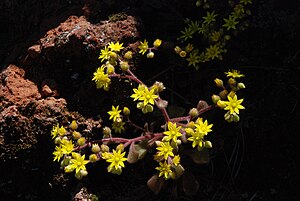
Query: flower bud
{"x": 207, "y": 144}
{"x": 202, "y": 105}
{"x": 182, "y": 54}
{"x": 215, "y": 98}
{"x": 112, "y": 61}
{"x": 193, "y": 113}
{"x": 106, "y": 131}
{"x": 128, "y": 55}
{"x": 95, "y": 148}
{"x": 104, "y": 148}
{"x": 189, "y": 48}
{"x": 159, "y": 86}
{"x": 120, "y": 147}
{"x": 93, "y": 158}
{"x": 126, "y": 111}
{"x": 219, "y": 82}
{"x": 198, "y": 3}
{"x": 76, "y": 135}
{"x": 68, "y": 169}
{"x": 113, "y": 55}
{"x": 57, "y": 140}
{"x": 124, "y": 66}
{"x": 157, "y": 43}
{"x": 231, "y": 81}
{"x": 221, "y": 104}
{"x": 148, "y": 108}
{"x": 177, "y": 49}
{"x": 223, "y": 94}
{"x": 158, "y": 143}
{"x": 231, "y": 94}
{"x": 65, "y": 161}
{"x": 161, "y": 104}
{"x": 150, "y": 55}
{"x": 140, "y": 105}
{"x": 110, "y": 69}
{"x": 81, "y": 141}
{"x": 235, "y": 117}
{"x": 106, "y": 87}
{"x": 62, "y": 131}
{"x": 83, "y": 173}
{"x": 241, "y": 85}
{"x": 73, "y": 125}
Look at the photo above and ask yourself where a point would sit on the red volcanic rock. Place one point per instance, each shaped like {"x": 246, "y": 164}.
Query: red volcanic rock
{"x": 15, "y": 89}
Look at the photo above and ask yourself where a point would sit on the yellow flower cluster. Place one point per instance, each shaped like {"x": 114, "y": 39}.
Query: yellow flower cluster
{"x": 116, "y": 160}
{"x": 229, "y": 100}
{"x": 118, "y": 124}
{"x": 169, "y": 163}
{"x": 144, "y": 47}
{"x": 146, "y": 96}
{"x": 196, "y": 133}
{"x": 101, "y": 78}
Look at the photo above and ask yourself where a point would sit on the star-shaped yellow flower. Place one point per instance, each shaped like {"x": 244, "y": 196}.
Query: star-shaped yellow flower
{"x": 116, "y": 47}
{"x": 114, "y": 113}
{"x": 78, "y": 163}
{"x": 234, "y": 74}
{"x": 233, "y": 105}
{"x": 173, "y": 132}
{"x": 165, "y": 150}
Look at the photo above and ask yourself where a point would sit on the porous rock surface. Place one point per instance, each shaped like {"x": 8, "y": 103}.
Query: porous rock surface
{"x": 54, "y": 73}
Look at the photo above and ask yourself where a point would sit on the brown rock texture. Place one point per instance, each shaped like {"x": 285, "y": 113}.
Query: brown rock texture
{"x": 55, "y": 75}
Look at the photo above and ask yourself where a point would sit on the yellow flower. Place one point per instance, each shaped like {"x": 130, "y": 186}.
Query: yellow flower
{"x": 56, "y": 130}
{"x": 233, "y": 105}
{"x": 67, "y": 146}
{"x": 143, "y": 47}
{"x": 116, "y": 160}
{"x": 176, "y": 160}
{"x": 197, "y": 139}
{"x": 115, "y": 46}
{"x": 58, "y": 153}
{"x": 101, "y": 79}
{"x": 234, "y": 74}
{"x": 148, "y": 96}
{"x": 164, "y": 170}
{"x": 157, "y": 43}
{"x": 203, "y": 127}
{"x": 118, "y": 126}
{"x": 165, "y": 150}
{"x": 114, "y": 113}
{"x": 139, "y": 92}
{"x": 104, "y": 54}
{"x": 173, "y": 132}
{"x": 78, "y": 163}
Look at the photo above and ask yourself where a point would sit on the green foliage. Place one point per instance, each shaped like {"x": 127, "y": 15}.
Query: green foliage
{"x": 209, "y": 34}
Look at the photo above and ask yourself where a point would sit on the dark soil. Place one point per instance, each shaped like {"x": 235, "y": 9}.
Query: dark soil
{"x": 49, "y": 50}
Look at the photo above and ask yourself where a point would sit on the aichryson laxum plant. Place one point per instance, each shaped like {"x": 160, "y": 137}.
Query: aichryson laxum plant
{"x": 75, "y": 152}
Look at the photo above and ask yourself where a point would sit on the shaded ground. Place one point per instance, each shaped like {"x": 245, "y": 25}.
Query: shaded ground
{"x": 260, "y": 155}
